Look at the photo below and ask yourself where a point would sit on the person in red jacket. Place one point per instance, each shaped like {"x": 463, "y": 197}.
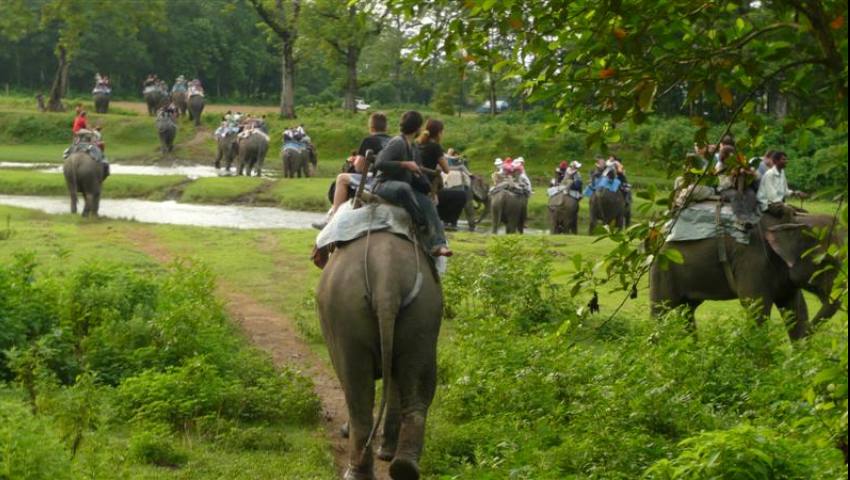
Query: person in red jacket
{"x": 79, "y": 122}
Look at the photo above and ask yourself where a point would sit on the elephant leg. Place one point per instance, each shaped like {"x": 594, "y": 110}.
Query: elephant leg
{"x": 95, "y": 204}
{"x": 86, "y": 204}
{"x": 73, "y": 202}
{"x": 795, "y": 314}
{"x": 497, "y": 215}
{"x": 392, "y": 425}
{"x": 469, "y": 211}
{"x": 357, "y": 380}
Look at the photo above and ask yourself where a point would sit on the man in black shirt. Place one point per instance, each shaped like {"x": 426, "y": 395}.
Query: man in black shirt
{"x": 352, "y": 172}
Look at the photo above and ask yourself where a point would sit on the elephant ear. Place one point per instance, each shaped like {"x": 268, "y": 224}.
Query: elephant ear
{"x": 787, "y": 241}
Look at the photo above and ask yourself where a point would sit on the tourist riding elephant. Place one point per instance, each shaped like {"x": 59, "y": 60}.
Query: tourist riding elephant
{"x": 155, "y": 99}
{"x": 607, "y": 207}
{"x": 167, "y": 130}
{"x": 226, "y": 149}
{"x": 296, "y": 161}
{"x": 180, "y": 101}
{"x": 85, "y": 175}
{"x": 101, "y": 102}
{"x": 373, "y": 328}
{"x": 772, "y": 269}
{"x": 563, "y": 213}
{"x": 196, "y": 107}
{"x": 252, "y": 151}
{"x": 509, "y": 208}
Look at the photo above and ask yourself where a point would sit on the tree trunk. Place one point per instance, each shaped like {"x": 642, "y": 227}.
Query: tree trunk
{"x": 287, "y": 81}
{"x": 351, "y": 58}
{"x": 491, "y": 90}
{"x": 60, "y": 81}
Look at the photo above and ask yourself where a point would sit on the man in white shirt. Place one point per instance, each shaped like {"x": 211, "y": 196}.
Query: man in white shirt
{"x": 773, "y": 188}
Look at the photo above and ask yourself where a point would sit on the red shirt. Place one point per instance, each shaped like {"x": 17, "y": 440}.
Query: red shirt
{"x": 79, "y": 123}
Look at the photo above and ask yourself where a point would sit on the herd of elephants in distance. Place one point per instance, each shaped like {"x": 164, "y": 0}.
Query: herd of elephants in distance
{"x": 386, "y": 299}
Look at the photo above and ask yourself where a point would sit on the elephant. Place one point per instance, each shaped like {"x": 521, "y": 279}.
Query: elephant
{"x": 85, "y": 175}
{"x": 563, "y": 213}
{"x": 372, "y": 329}
{"x": 296, "y": 161}
{"x": 167, "y": 129}
{"x": 196, "y": 107}
{"x": 226, "y": 149}
{"x": 453, "y": 201}
{"x": 252, "y": 153}
{"x": 480, "y": 196}
{"x": 155, "y": 99}
{"x": 772, "y": 269}
{"x": 607, "y": 207}
{"x": 101, "y": 102}
{"x": 180, "y": 101}
{"x": 509, "y": 208}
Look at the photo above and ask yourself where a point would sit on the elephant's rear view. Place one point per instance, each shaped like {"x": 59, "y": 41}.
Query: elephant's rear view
{"x": 84, "y": 175}
{"x": 510, "y": 208}
{"x": 607, "y": 207}
{"x": 380, "y": 305}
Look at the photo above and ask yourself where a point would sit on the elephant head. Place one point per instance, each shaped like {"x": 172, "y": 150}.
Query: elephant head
{"x": 804, "y": 249}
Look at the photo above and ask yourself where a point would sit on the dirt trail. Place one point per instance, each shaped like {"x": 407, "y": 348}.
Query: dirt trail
{"x": 277, "y": 335}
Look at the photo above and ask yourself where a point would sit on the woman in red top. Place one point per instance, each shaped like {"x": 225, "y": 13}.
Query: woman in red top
{"x": 79, "y": 122}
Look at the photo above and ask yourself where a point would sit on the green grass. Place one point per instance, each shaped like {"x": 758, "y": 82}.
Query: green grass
{"x": 23, "y": 182}
{"x": 309, "y": 194}
{"x": 220, "y": 189}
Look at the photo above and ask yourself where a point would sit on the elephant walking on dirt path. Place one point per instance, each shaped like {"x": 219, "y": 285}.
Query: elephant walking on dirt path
{"x": 166, "y": 128}
{"x": 772, "y": 269}
{"x": 371, "y": 333}
{"x": 84, "y": 175}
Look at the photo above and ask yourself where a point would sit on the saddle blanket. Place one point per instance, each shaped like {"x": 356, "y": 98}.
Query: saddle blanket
{"x": 88, "y": 148}
{"x": 698, "y": 221}
{"x": 253, "y": 131}
{"x": 510, "y": 187}
{"x": 603, "y": 182}
{"x": 102, "y": 89}
{"x": 294, "y": 145}
{"x": 349, "y": 224}
{"x": 151, "y": 89}
{"x": 551, "y": 192}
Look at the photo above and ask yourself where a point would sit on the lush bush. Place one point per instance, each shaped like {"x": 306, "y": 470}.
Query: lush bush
{"x": 571, "y": 396}
{"x": 30, "y": 448}
{"x": 103, "y": 345}
{"x": 741, "y": 452}
{"x": 825, "y": 170}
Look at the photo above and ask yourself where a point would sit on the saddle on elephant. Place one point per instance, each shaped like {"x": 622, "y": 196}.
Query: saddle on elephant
{"x": 375, "y": 215}
{"x": 253, "y": 131}
{"x": 510, "y": 183}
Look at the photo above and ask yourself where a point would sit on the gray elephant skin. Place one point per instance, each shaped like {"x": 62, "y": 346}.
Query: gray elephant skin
{"x": 296, "y": 162}
{"x": 608, "y": 208}
{"x": 227, "y": 148}
{"x": 510, "y": 209}
{"x": 369, "y": 335}
{"x": 155, "y": 100}
{"x": 563, "y": 213}
{"x": 454, "y": 201}
{"x": 180, "y": 101}
{"x": 84, "y": 175}
{"x": 101, "y": 102}
{"x": 196, "y": 107}
{"x": 252, "y": 153}
{"x": 167, "y": 130}
{"x": 771, "y": 269}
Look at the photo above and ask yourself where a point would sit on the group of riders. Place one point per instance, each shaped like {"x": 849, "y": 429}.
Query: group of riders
{"x": 181, "y": 85}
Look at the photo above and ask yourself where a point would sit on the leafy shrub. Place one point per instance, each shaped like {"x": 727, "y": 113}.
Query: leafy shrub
{"x": 825, "y": 170}
{"x": 156, "y": 447}
{"x": 743, "y": 451}
{"x": 29, "y": 448}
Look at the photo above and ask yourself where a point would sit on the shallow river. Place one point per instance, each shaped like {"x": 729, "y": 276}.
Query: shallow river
{"x": 191, "y": 171}
{"x": 173, "y": 213}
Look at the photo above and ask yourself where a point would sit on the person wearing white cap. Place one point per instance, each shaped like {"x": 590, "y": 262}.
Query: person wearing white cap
{"x": 572, "y": 177}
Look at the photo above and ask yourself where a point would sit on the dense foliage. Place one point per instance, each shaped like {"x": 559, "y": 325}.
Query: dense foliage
{"x": 109, "y": 347}
{"x": 529, "y": 388}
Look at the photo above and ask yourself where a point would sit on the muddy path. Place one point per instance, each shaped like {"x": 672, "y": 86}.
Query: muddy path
{"x": 275, "y": 333}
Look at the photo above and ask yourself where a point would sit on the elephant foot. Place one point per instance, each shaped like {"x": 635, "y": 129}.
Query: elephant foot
{"x": 404, "y": 469}
{"x": 354, "y": 473}
{"x": 386, "y": 453}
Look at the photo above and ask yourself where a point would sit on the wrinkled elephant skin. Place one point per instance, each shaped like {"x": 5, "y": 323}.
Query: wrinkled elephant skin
{"x": 84, "y": 175}
{"x": 771, "y": 269}
{"x": 509, "y": 208}
{"x": 368, "y": 333}
{"x": 252, "y": 153}
{"x": 563, "y": 214}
